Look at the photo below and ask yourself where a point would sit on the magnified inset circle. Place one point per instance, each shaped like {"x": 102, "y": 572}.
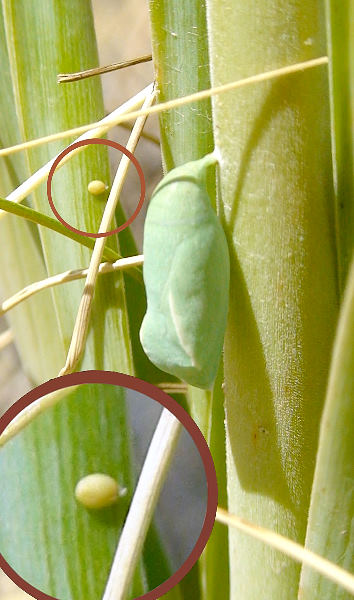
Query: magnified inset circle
{"x": 117, "y": 147}
{"x": 60, "y": 461}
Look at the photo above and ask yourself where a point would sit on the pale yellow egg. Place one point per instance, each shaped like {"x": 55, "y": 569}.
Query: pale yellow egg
{"x": 96, "y": 187}
{"x": 97, "y": 491}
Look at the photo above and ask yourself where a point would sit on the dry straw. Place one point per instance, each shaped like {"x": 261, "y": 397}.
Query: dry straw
{"x": 79, "y": 335}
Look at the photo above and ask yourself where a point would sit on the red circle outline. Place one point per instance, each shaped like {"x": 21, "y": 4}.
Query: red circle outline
{"x": 117, "y": 147}
{"x": 139, "y": 385}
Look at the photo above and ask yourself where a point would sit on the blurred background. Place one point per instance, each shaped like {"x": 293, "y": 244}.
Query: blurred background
{"x": 122, "y": 30}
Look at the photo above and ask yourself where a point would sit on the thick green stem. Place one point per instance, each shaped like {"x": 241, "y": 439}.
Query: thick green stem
{"x": 274, "y": 143}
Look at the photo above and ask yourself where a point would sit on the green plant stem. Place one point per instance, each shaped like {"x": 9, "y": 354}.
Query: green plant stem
{"x": 274, "y": 144}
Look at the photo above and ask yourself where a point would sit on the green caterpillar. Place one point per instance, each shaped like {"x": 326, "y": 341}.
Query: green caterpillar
{"x": 186, "y": 275}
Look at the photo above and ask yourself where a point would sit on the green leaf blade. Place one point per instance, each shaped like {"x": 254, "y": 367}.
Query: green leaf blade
{"x": 340, "y": 40}
{"x": 181, "y": 57}
{"x": 330, "y": 530}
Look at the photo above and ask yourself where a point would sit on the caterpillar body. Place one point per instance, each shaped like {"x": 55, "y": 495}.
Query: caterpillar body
{"x": 186, "y": 275}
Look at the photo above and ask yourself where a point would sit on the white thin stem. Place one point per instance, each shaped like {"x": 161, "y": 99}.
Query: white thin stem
{"x": 6, "y": 338}
{"x": 79, "y": 335}
{"x": 202, "y": 95}
{"x": 290, "y": 548}
{"x": 97, "y": 129}
{"x": 142, "y": 507}
{"x": 122, "y": 264}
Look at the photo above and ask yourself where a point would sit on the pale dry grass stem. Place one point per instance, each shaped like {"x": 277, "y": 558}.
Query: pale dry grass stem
{"x": 290, "y": 548}
{"x": 172, "y": 387}
{"x": 6, "y": 338}
{"x": 83, "y": 316}
{"x": 68, "y": 77}
{"x": 163, "y": 106}
{"x": 122, "y": 264}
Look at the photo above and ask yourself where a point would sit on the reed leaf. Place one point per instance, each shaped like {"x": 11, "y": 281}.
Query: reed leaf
{"x": 329, "y": 530}
{"x": 34, "y": 324}
{"x": 25, "y": 212}
{"x": 340, "y": 41}
{"x": 180, "y": 52}
{"x": 330, "y": 525}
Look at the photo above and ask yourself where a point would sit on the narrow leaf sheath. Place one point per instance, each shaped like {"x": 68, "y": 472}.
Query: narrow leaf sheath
{"x": 186, "y": 274}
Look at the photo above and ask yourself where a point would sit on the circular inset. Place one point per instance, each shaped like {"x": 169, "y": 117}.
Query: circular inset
{"x": 106, "y": 143}
{"x": 123, "y": 381}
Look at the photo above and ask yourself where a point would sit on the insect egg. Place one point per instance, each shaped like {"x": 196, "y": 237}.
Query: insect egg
{"x": 96, "y": 187}
{"x": 97, "y": 490}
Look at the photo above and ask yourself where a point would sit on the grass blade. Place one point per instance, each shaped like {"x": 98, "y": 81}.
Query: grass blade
{"x": 340, "y": 36}
{"x": 330, "y": 530}
{"x": 19, "y": 241}
{"x": 180, "y": 51}
{"x": 25, "y": 212}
